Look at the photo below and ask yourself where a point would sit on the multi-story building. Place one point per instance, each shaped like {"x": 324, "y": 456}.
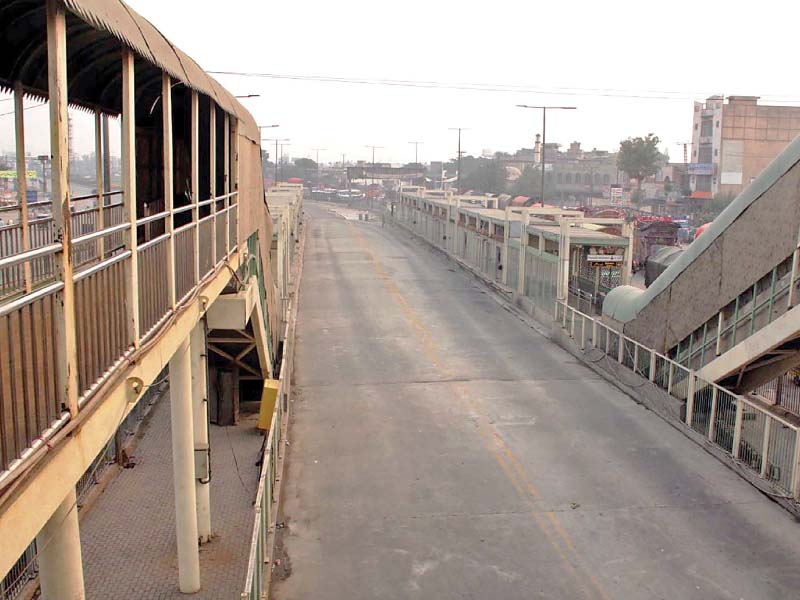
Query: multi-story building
{"x": 575, "y": 175}
{"x": 734, "y": 140}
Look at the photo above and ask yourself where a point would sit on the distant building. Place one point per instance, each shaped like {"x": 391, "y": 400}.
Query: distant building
{"x": 733, "y": 141}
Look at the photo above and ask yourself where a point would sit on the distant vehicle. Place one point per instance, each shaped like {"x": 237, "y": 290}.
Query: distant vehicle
{"x": 346, "y": 195}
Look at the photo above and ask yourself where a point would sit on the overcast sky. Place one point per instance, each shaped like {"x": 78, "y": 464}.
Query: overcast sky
{"x": 686, "y": 50}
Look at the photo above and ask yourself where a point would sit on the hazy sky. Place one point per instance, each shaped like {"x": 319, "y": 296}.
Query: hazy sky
{"x": 685, "y": 50}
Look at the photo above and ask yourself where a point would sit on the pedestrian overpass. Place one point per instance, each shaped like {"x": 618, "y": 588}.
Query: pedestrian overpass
{"x": 728, "y": 307}
{"x": 99, "y": 294}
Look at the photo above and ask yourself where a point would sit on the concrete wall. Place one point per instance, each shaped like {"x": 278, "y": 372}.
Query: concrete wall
{"x": 763, "y": 235}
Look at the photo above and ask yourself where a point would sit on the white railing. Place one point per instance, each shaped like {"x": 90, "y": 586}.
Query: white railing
{"x": 748, "y": 432}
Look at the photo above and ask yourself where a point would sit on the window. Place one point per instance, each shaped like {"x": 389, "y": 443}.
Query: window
{"x": 717, "y": 123}
{"x": 568, "y": 178}
{"x": 704, "y": 154}
{"x": 703, "y": 183}
{"x": 716, "y": 152}
{"x": 597, "y": 177}
{"x": 606, "y": 179}
{"x": 707, "y": 127}
{"x": 587, "y": 178}
{"x": 559, "y": 177}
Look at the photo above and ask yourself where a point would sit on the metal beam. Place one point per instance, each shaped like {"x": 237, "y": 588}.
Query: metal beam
{"x": 65, "y": 338}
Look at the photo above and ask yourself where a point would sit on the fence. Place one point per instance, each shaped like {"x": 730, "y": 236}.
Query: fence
{"x": 32, "y": 408}
{"x": 757, "y": 439}
{"x": 259, "y": 561}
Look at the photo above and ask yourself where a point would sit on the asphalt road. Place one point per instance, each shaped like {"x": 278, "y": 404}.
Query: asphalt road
{"x": 441, "y": 448}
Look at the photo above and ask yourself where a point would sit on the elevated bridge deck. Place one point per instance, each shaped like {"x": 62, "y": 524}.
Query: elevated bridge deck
{"x": 442, "y": 448}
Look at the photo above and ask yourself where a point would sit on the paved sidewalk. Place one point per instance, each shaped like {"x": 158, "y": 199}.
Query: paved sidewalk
{"x": 128, "y": 537}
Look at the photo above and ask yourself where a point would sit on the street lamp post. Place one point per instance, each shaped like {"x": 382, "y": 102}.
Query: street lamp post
{"x": 458, "y": 181}
{"x": 276, "y": 140}
{"x": 416, "y": 151}
{"x": 282, "y": 146}
{"x": 544, "y": 130}
{"x": 317, "y": 150}
{"x": 373, "y": 160}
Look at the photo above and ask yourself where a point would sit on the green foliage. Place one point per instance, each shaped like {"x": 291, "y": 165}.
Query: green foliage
{"x": 483, "y": 175}
{"x": 305, "y": 163}
{"x": 530, "y": 184}
{"x": 639, "y": 158}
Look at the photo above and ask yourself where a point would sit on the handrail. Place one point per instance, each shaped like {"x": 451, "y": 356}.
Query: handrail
{"x": 697, "y": 419}
{"x": 101, "y": 265}
{"x": 156, "y": 217}
{"x": 15, "y": 259}
{"x": 82, "y": 239}
{"x": 153, "y": 242}
{"x": 90, "y": 196}
{"x": 181, "y": 209}
{"x": 9, "y": 307}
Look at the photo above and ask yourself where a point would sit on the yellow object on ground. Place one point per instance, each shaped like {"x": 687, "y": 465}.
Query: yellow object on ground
{"x": 268, "y": 395}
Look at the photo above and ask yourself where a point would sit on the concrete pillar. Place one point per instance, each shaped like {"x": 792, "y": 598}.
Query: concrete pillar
{"x": 59, "y": 548}
{"x": 180, "y": 375}
{"x": 200, "y": 426}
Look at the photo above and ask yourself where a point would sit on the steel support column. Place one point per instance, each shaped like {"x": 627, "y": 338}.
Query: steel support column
{"x": 180, "y": 374}
{"x": 59, "y": 550}
{"x": 199, "y": 354}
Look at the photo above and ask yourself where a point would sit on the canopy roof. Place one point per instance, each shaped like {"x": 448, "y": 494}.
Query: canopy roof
{"x": 96, "y": 32}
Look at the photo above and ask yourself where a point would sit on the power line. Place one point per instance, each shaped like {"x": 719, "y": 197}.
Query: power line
{"x": 497, "y": 87}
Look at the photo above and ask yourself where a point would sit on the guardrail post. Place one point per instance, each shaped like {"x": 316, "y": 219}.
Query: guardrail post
{"x": 226, "y": 174}
{"x": 670, "y": 375}
{"x": 737, "y": 427}
{"x": 765, "y": 445}
{"x": 713, "y": 417}
{"x": 212, "y": 178}
{"x": 796, "y": 462}
{"x": 635, "y": 357}
{"x": 690, "y": 399}
{"x": 169, "y": 200}
{"x": 129, "y": 192}
{"x": 653, "y": 364}
{"x": 594, "y": 333}
{"x": 65, "y": 338}
{"x": 572, "y": 324}
{"x": 620, "y": 348}
{"x": 99, "y": 175}
{"x": 196, "y": 181}
{"x": 22, "y": 180}
{"x": 583, "y": 333}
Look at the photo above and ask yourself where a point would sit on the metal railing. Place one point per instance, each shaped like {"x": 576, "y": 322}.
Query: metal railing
{"x": 758, "y": 439}
{"x": 259, "y": 562}
{"x": 32, "y": 406}
{"x": 756, "y": 307}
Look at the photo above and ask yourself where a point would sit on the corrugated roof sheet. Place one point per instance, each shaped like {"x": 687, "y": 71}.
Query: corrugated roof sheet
{"x": 136, "y": 32}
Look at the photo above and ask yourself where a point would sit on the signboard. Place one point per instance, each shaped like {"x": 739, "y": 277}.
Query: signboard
{"x": 604, "y": 260}
{"x": 13, "y": 174}
{"x": 701, "y": 168}
{"x": 616, "y": 194}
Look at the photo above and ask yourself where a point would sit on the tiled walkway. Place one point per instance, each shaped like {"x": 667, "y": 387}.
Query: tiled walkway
{"x": 128, "y": 537}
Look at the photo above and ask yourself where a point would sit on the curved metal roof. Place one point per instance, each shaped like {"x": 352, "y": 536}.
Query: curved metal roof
{"x": 623, "y": 304}
{"x": 96, "y": 32}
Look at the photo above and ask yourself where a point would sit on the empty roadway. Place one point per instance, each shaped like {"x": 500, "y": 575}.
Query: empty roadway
{"x": 441, "y": 448}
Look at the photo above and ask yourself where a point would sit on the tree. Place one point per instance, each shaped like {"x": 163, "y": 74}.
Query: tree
{"x": 305, "y": 163}
{"x": 639, "y": 158}
{"x": 530, "y": 184}
{"x": 484, "y": 175}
